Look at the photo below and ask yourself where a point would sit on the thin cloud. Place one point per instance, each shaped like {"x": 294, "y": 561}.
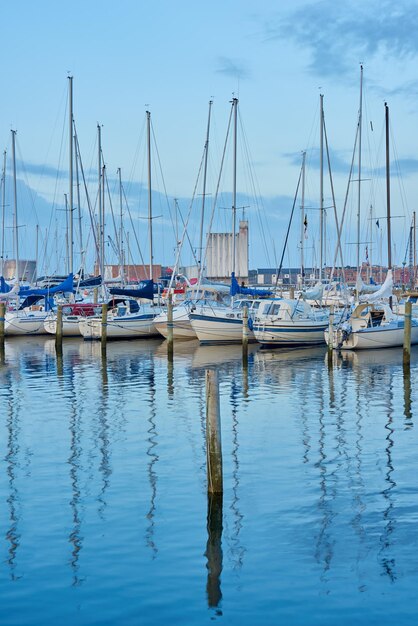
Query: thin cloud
{"x": 233, "y": 68}
{"x": 338, "y": 36}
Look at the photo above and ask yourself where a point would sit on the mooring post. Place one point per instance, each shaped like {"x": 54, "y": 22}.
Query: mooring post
{"x": 104, "y": 326}
{"x": 213, "y": 434}
{"x": 245, "y": 334}
{"x": 2, "y": 315}
{"x": 58, "y": 331}
{"x": 292, "y": 292}
{"x": 170, "y": 326}
{"x": 330, "y": 334}
{"x": 407, "y": 334}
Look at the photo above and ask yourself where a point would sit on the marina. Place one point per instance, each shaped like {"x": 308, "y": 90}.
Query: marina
{"x": 105, "y": 515}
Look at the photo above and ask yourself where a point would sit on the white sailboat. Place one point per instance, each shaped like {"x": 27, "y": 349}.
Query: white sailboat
{"x": 373, "y": 324}
{"x": 129, "y": 319}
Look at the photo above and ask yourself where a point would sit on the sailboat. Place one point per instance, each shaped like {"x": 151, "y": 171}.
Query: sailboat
{"x": 373, "y": 324}
{"x": 214, "y": 321}
{"x": 128, "y": 319}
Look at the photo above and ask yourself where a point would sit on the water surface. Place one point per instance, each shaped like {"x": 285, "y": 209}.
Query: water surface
{"x": 104, "y": 515}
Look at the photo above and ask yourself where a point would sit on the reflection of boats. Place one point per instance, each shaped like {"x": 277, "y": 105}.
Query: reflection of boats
{"x": 310, "y": 353}
{"x": 199, "y": 356}
{"x": 384, "y": 357}
{"x": 209, "y": 356}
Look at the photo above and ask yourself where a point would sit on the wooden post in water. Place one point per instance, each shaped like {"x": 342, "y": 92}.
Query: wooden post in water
{"x": 213, "y": 434}
{"x": 58, "y": 331}
{"x": 245, "y": 335}
{"x": 95, "y": 295}
{"x": 292, "y": 292}
{"x": 407, "y": 334}
{"x": 2, "y": 314}
{"x": 104, "y": 326}
{"x": 170, "y": 326}
{"x": 330, "y": 335}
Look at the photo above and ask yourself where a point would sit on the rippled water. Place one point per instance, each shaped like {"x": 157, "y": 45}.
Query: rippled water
{"x": 104, "y": 517}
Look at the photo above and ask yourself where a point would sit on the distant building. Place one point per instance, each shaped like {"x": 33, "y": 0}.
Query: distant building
{"x": 27, "y": 270}
{"x": 219, "y": 254}
{"x": 133, "y": 273}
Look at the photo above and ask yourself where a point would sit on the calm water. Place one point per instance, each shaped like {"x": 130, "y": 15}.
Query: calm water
{"x": 104, "y": 517}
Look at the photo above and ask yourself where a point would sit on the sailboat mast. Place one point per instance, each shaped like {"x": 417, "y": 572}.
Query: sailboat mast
{"x": 99, "y": 171}
{"x": 415, "y": 248}
{"x": 70, "y": 194}
{"x": 205, "y": 169}
{"x": 321, "y": 188}
{"x": 16, "y": 236}
{"x": 302, "y": 222}
{"x": 80, "y": 228}
{"x": 151, "y": 257}
{"x": 234, "y": 184}
{"x": 388, "y": 186}
{"x": 122, "y": 264}
{"x": 360, "y": 119}
{"x": 3, "y": 212}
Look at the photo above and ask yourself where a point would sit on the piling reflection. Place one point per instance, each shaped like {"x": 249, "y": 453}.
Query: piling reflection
{"x": 407, "y": 397}
{"x": 214, "y": 550}
{"x": 12, "y": 466}
{"x": 388, "y": 561}
{"x": 153, "y": 459}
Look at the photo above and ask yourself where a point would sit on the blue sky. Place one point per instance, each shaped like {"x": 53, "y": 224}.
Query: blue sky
{"x": 172, "y": 58}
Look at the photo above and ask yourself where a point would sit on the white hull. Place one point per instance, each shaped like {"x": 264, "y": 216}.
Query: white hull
{"x": 372, "y": 338}
{"x": 24, "y": 323}
{"x": 182, "y": 328}
{"x": 70, "y": 326}
{"x": 284, "y": 333}
{"x": 135, "y": 327}
{"x": 218, "y": 329}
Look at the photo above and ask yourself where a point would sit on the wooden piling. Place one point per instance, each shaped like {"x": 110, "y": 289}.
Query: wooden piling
{"x": 213, "y": 434}
{"x": 170, "y": 326}
{"x": 292, "y": 292}
{"x": 330, "y": 334}
{"x": 2, "y": 315}
{"x": 407, "y": 334}
{"x": 58, "y": 330}
{"x": 245, "y": 329}
{"x": 95, "y": 295}
{"x": 104, "y": 326}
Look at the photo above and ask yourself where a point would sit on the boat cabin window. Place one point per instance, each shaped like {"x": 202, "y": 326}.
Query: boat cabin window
{"x": 376, "y": 318}
{"x": 274, "y": 309}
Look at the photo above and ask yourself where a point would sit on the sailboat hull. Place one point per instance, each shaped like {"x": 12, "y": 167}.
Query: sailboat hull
{"x": 24, "y": 323}
{"x": 283, "y": 333}
{"x": 371, "y": 338}
{"x": 135, "y": 327}
{"x": 220, "y": 329}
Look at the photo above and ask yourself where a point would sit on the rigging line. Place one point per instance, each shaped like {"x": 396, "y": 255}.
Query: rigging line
{"x": 215, "y": 199}
{"x": 335, "y": 208}
{"x": 187, "y": 221}
{"x": 279, "y": 269}
{"x": 133, "y": 227}
{"x": 255, "y": 188}
{"x": 91, "y": 215}
{"x": 113, "y": 216}
{"x": 162, "y": 178}
{"x": 339, "y": 230}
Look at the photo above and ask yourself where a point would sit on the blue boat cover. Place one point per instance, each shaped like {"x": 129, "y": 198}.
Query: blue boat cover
{"x": 248, "y": 291}
{"x": 145, "y": 289}
{"x": 66, "y": 286}
{"x": 4, "y": 287}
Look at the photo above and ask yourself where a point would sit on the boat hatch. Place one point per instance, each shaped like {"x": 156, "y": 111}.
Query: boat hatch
{"x": 376, "y": 318}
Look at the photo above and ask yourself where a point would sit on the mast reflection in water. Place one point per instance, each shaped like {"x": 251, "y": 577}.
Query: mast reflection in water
{"x": 104, "y": 516}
